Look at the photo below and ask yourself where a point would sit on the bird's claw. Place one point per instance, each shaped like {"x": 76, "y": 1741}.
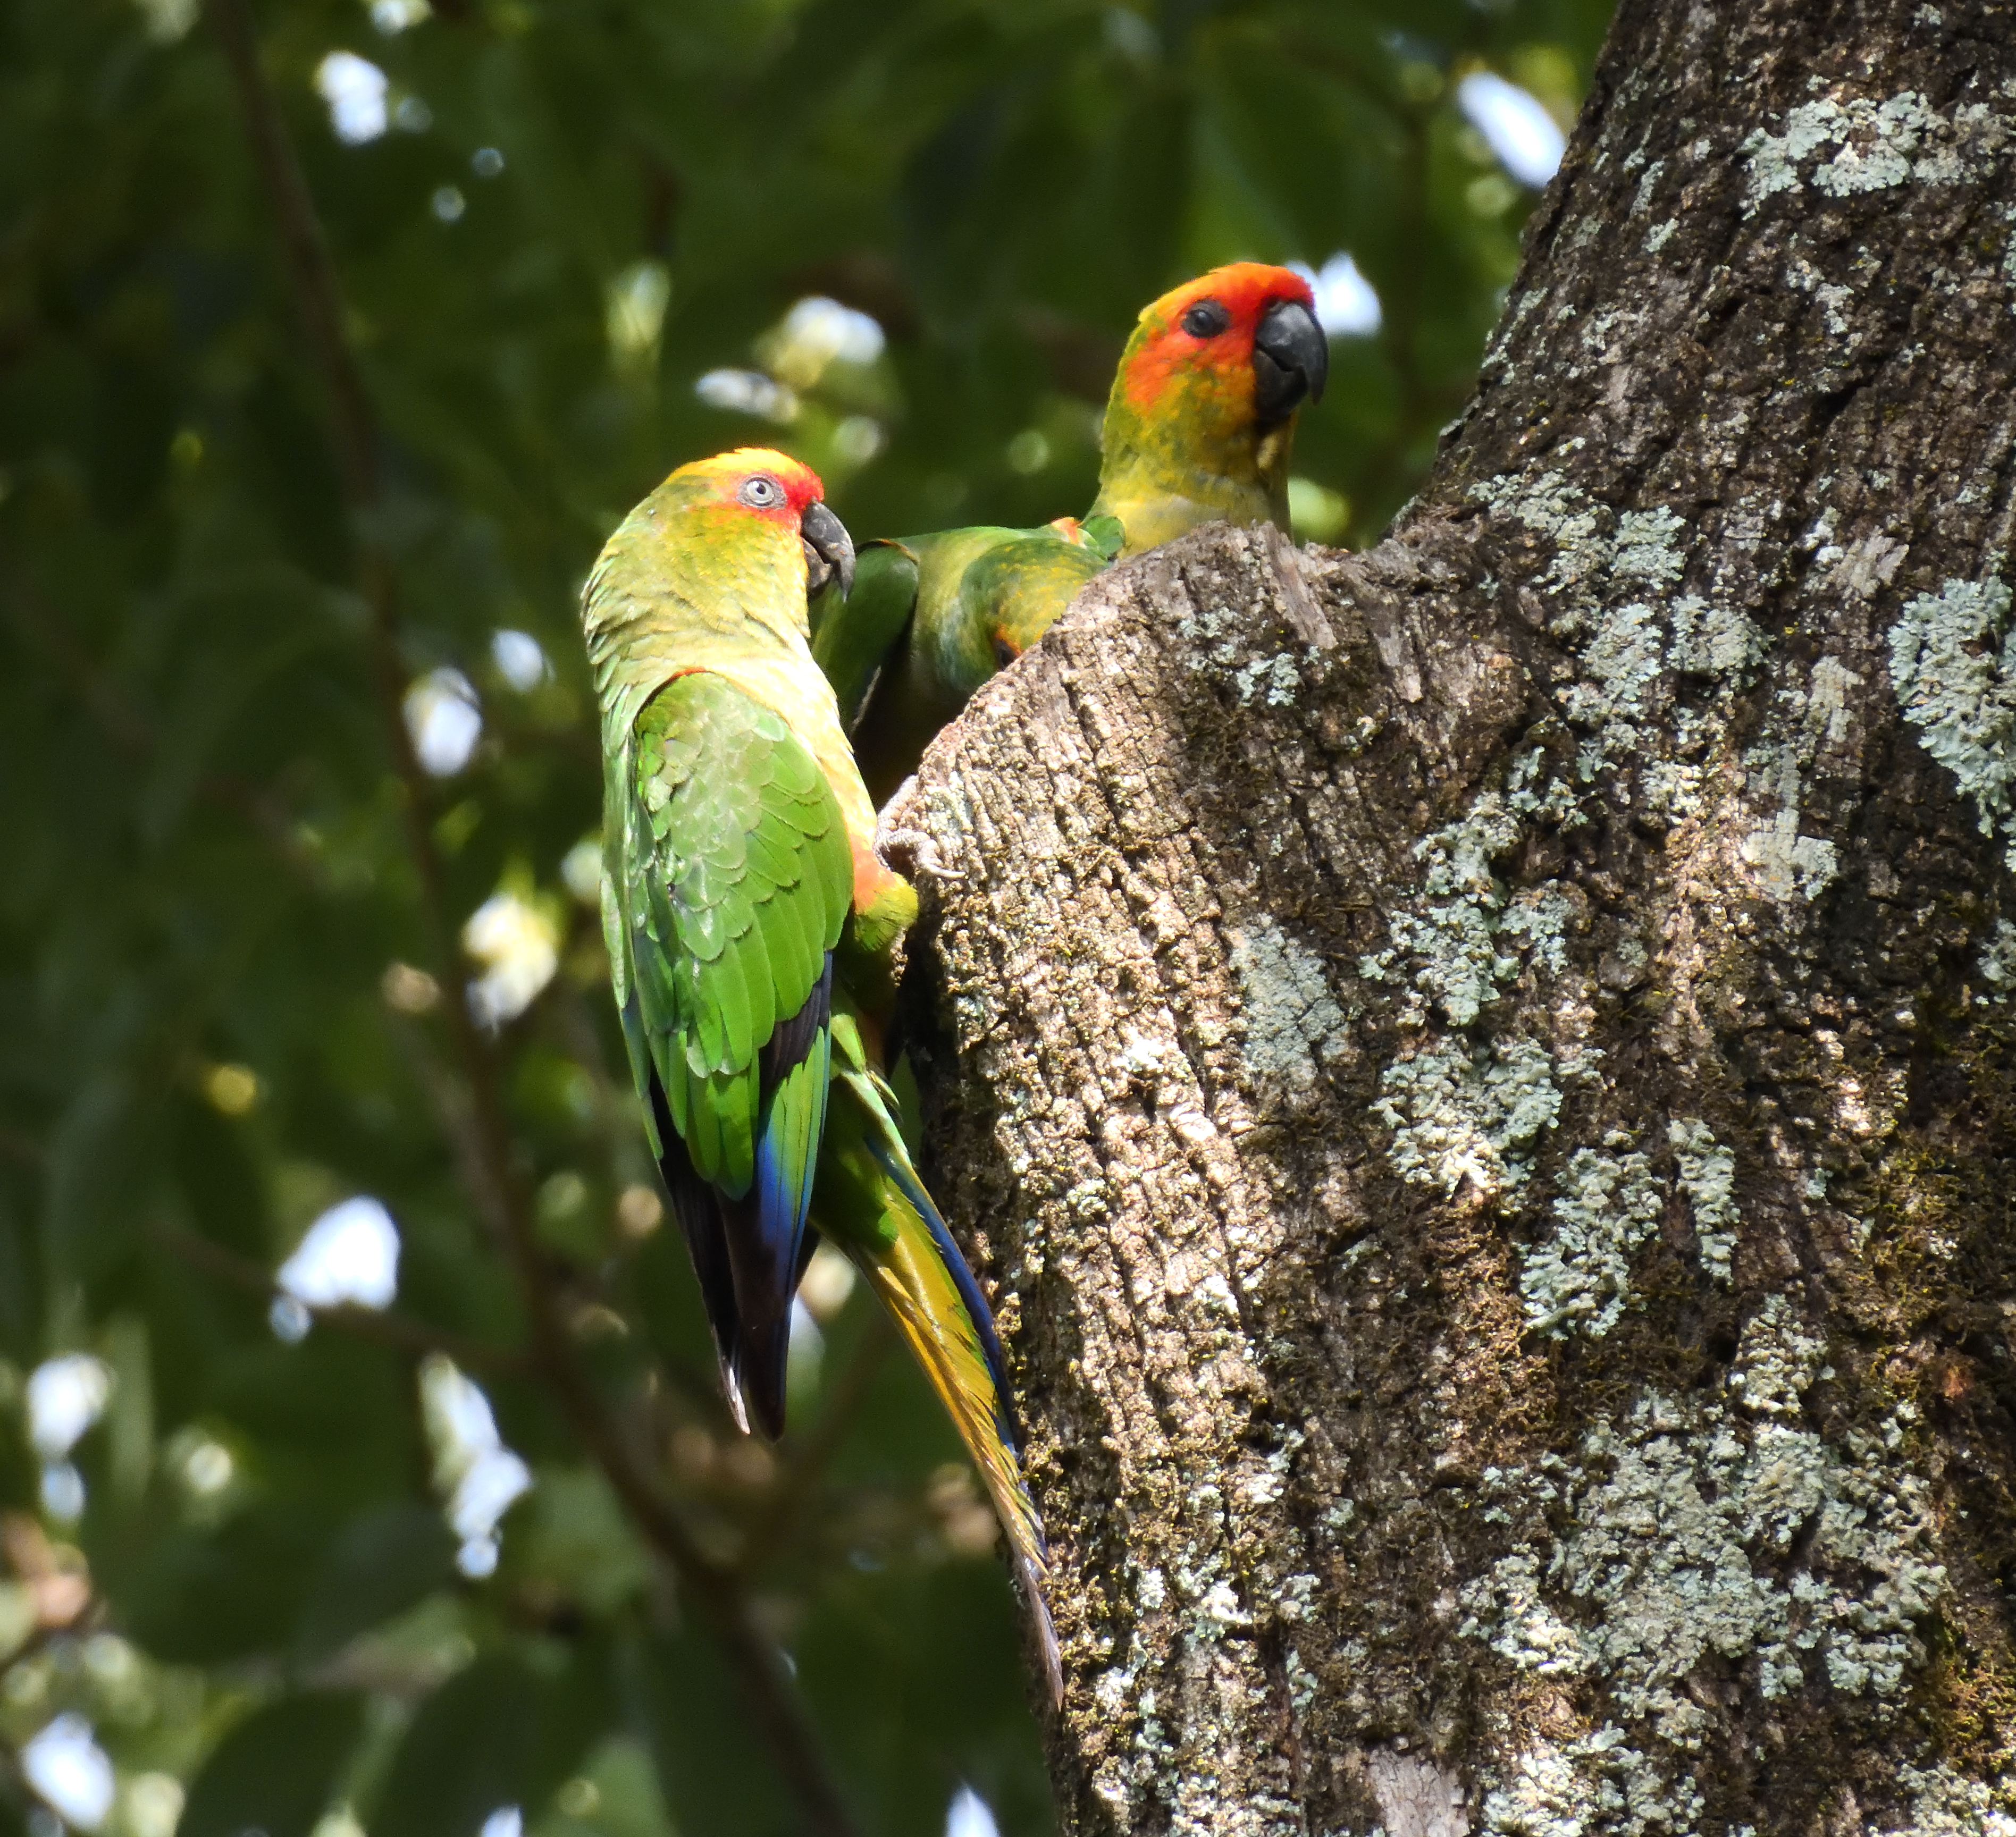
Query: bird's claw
{"x": 918, "y": 851}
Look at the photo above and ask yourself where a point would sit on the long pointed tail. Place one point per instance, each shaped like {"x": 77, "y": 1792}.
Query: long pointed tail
{"x": 871, "y": 1202}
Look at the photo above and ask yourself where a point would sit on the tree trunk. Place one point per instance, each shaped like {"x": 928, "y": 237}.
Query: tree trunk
{"x": 1477, "y": 1072}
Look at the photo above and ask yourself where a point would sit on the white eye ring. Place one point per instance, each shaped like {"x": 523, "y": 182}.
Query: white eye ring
{"x": 762, "y": 492}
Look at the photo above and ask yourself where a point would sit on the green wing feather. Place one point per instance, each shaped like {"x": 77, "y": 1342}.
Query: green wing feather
{"x": 981, "y": 597}
{"x": 736, "y": 879}
{"x": 729, "y": 877}
{"x": 1008, "y": 598}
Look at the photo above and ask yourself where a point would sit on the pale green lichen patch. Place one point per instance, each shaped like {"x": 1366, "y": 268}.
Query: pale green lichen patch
{"x": 1458, "y": 1116}
{"x": 1223, "y": 648}
{"x": 1274, "y": 682}
{"x": 1953, "y": 665}
{"x": 1776, "y": 1361}
{"x": 1998, "y": 962}
{"x": 1538, "y": 917}
{"x": 1291, "y": 1023}
{"x": 1551, "y": 506}
{"x": 1641, "y": 652}
{"x": 1510, "y": 1607}
{"x": 1580, "y": 1278}
{"x": 1792, "y": 865}
{"x": 1711, "y": 639}
{"x": 1452, "y": 932}
{"x": 1708, "y": 1176}
{"x": 1869, "y": 146}
{"x": 1648, "y": 547}
{"x": 1678, "y": 1523}
{"x": 1945, "y": 1804}
{"x": 1599, "y": 1783}
{"x": 1623, "y": 662}
{"x": 1467, "y": 937}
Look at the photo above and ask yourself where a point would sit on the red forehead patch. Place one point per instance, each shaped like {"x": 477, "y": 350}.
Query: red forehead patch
{"x": 801, "y": 484}
{"x": 1244, "y": 288}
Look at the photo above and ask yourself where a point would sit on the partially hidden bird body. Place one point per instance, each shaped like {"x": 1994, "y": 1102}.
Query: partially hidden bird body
{"x": 750, "y": 925}
{"x": 930, "y": 618}
{"x": 1199, "y": 426}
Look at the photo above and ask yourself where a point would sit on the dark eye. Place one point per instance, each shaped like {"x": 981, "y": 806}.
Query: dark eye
{"x": 762, "y": 492}
{"x": 1206, "y": 319}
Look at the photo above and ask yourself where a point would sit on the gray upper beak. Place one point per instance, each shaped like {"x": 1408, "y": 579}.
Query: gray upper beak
{"x": 829, "y": 550}
{"x": 1291, "y": 360}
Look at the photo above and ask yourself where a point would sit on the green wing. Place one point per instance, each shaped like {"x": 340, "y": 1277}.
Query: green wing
{"x": 732, "y": 881}
{"x": 977, "y": 599}
{"x": 737, "y": 878}
{"x": 1008, "y": 598}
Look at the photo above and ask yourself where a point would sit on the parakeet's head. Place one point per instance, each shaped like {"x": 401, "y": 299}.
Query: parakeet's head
{"x": 755, "y": 500}
{"x": 1203, "y": 408}
{"x": 1239, "y": 347}
{"x": 723, "y": 558}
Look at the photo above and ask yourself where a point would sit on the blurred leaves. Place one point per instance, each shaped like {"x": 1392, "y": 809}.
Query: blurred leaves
{"x": 276, "y": 1770}
{"x": 222, "y": 1013}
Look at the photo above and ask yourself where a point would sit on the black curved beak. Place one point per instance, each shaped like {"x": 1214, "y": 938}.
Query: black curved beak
{"x": 829, "y": 550}
{"x": 1291, "y": 360}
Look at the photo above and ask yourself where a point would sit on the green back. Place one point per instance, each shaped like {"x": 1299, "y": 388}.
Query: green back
{"x": 982, "y": 596}
{"x": 851, "y": 636}
{"x": 1008, "y": 598}
{"x": 731, "y": 875}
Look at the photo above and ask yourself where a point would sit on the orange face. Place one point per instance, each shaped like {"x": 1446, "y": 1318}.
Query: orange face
{"x": 1208, "y": 327}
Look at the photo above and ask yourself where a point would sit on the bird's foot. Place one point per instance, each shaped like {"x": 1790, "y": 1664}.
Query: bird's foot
{"x": 911, "y": 851}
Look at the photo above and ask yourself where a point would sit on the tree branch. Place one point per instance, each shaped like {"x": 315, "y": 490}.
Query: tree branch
{"x": 769, "y": 1696}
{"x": 362, "y": 1323}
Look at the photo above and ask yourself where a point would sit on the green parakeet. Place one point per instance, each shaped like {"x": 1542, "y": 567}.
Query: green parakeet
{"x": 1199, "y": 425}
{"x": 749, "y": 926}
{"x": 930, "y": 618}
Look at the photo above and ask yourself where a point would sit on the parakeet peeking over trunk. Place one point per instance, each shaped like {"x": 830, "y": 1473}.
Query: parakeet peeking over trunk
{"x": 1200, "y": 425}
{"x": 1201, "y": 420}
{"x": 749, "y": 926}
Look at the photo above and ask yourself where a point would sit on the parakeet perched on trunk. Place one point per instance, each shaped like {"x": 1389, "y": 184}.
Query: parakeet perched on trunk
{"x": 930, "y": 618}
{"x": 750, "y": 925}
{"x": 1199, "y": 426}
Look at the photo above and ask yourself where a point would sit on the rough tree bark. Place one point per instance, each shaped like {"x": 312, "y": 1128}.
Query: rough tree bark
{"x": 1479, "y": 1071}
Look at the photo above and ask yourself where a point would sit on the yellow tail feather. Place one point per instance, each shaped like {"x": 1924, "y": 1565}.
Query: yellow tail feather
{"x": 862, "y": 1206}
{"x": 914, "y": 1284}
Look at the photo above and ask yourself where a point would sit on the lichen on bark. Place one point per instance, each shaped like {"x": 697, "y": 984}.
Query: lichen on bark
{"x": 1478, "y": 1072}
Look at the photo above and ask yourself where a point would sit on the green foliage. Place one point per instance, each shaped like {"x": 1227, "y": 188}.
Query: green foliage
{"x": 276, "y": 1771}
{"x": 221, "y": 1010}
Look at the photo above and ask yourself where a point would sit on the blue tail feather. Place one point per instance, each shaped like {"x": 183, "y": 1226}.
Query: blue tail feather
{"x": 766, "y": 1244}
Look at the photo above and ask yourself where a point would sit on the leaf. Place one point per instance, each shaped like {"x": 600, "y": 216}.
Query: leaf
{"x": 100, "y": 1157}
{"x": 218, "y": 1179}
{"x": 277, "y": 1770}
{"x": 198, "y": 1597}
{"x": 715, "y": 1776}
{"x": 385, "y": 1561}
{"x": 504, "y": 1731}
